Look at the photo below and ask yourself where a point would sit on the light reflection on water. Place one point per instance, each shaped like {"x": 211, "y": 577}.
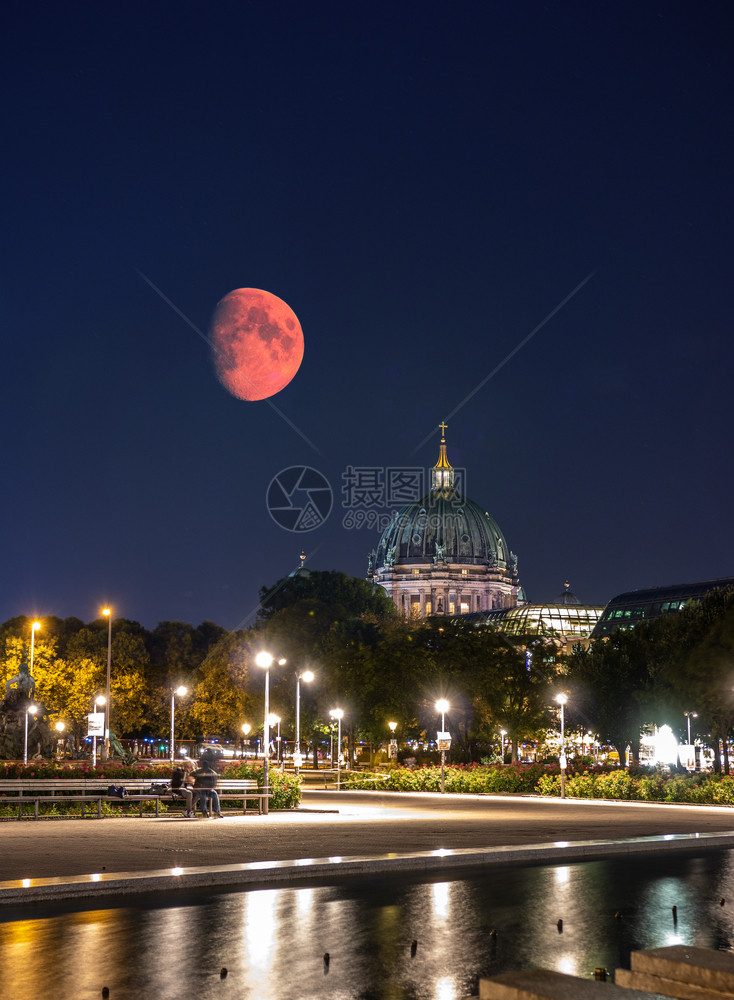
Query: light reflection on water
{"x": 272, "y": 942}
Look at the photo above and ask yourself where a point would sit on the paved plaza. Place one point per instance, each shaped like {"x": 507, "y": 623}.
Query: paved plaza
{"x": 333, "y": 834}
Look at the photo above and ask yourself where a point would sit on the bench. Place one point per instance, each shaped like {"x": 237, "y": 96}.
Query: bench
{"x": 93, "y": 791}
{"x": 87, "y": 791}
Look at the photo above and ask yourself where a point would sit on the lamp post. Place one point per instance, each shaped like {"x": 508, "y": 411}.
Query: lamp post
{"x": 107, "y": 612}
{"x": 246, "y": 727}
{"x": 307, "y": 676}
{"x": 689, "y": 716}
{"x": 60, "y": 727}
{"x": 31, "y": 710}
{"x": 274, "y": 720}
{"x": 393, "y": 752}
{"x": 503, "y": 733}
{"x": 98, "y": 702}
{"x": 34, "y": 628}
{"x": 180, "y": 691}
{"x": 443, "y": 706}
{"x": 338, "y": 714}
{"x": 562, "y": 699}
{"x": 265, "y": 661}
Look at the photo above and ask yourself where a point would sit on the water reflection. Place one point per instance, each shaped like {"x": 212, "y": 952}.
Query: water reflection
{"x": 392, "y": 939}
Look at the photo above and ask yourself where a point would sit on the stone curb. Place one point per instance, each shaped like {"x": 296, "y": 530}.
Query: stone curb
{"x": 21, "y": 892}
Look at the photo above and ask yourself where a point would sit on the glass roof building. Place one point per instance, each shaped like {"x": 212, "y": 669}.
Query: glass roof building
{"x": 626, "y": 610}
{"x": 565, "y": 619}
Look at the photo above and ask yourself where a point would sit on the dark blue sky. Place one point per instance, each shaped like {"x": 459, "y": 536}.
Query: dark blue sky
{"x": 422, "y": 183}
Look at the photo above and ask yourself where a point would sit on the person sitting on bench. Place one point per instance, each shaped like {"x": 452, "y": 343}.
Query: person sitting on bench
{"x": 205, "y": 784}
{"x": 180, "y": 788}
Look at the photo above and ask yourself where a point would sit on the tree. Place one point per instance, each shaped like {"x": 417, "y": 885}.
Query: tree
{"x": 519, "y": 693}
{"x": 611, "y": 684}
{"x": 487, "y": 680}
{"x": 694, "y": 665}
{"x": 347, "y": 596}
{"x": 221, "y": 701}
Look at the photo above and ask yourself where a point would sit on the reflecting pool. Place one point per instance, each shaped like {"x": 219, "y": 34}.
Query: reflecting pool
{"x": 396, "y": 938}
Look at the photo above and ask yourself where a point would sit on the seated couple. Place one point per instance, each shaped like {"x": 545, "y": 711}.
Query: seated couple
{"x": 188, "y": 781}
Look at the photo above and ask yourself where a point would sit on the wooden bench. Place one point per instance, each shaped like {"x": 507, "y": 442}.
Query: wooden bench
{"x": 87, "y": 791}
{"x": 93, "y": 791}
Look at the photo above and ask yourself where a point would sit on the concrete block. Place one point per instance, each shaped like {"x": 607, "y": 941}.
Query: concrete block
{"x": 538, "y": 984}
{"x": 667, "y": 987}
{"x": 702, "y": 967}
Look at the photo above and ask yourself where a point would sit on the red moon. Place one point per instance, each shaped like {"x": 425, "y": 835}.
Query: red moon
{"x": 257, "y": 343}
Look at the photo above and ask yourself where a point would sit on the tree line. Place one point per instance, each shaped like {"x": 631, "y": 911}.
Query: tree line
{"x": 379, "y": 667}
{"x": 656, "y": 672}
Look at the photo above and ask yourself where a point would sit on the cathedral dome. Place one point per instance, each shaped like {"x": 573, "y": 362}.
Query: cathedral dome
{"x": 567, "y": 596}
{"x": 441, "y": 528}
{"x": 444, "y": 553}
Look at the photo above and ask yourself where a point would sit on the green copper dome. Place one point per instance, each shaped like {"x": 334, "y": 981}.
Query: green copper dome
{"x": 442, "y": 528}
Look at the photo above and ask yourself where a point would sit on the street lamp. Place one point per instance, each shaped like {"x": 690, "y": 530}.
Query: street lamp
{"x": 60, "y": 727}
{"x": 34, "y": 628}
{"x": 274, "y": 720}
{"x": 443, "y": 706}
{"x": 393, "y": 751}
{"x": 31, "y": 710}
{"x": 265, "y": 661}
{"x": 180, "y": 691}
{"x": 689, "y": 716}
{"x": 99, "y": 701}
{"x": 562, "y": 699}
{"x": 503, "y": 733}
{"x": 107, "y": 612}
{"x": 307, "y": 676}
{"x": 338, "y": 714}
{"x": 246, "y": 727}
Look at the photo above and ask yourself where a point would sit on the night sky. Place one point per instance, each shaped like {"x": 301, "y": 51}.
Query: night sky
{"x": 423, "y": 183}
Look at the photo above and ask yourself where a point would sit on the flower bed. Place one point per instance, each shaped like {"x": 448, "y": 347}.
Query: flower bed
{"x": 545, "y": 779}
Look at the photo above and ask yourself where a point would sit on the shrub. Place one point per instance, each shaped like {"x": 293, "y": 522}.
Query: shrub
{"x": 286, "y": 788}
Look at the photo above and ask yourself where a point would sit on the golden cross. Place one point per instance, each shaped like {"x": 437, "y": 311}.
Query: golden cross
{"x": 443, "y": 427}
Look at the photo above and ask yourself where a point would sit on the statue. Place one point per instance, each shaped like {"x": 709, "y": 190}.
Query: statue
{"x": 22, "y": 685}
{"x": 118, "y": 750}
{"x": 20, "y": 693}
{"x": 13, "y": 717}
